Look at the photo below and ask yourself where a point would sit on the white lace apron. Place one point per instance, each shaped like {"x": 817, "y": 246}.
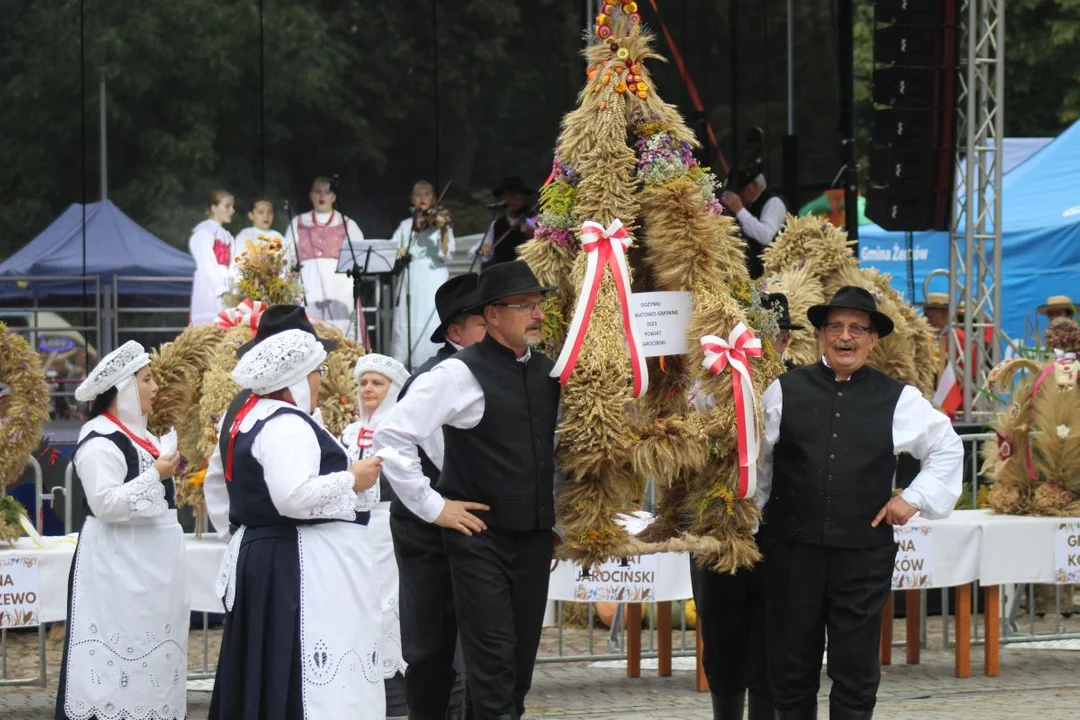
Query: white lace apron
{"x": 128, "y": 629}
{"x": 382, "y": 545}
{"x": 340, "y": 620}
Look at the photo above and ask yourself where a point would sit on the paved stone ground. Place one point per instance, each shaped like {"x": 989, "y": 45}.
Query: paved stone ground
{"x": 1041, "y": 684}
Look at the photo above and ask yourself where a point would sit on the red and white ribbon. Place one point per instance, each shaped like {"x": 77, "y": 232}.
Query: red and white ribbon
{"x": 247, "y": 313}
{"x": 735, "y": 352}
{"x": 604, "y": 248}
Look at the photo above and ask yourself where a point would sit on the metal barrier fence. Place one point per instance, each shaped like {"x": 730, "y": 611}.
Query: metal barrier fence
{"x": 614, "y": 641}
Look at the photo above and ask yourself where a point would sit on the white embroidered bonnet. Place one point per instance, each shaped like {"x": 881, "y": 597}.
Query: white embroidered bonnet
{"x": 386, "y": 366}
{"x": 278, "y": 362}
{"x": 119, "y": 365}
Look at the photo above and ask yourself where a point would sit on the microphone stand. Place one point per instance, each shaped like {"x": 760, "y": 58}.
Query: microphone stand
{"x": 354, "y": 272}
{"x": 296, "y": 250}
{"x": 406, "y": 285}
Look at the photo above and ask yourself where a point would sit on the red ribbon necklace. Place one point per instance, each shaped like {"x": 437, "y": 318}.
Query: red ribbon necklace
{"x": 234, "y": 430}
{"x": 315, "y": 219}
{"x": 141, "y": 442}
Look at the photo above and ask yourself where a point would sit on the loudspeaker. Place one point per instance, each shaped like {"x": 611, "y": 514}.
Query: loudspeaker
{"x": 913, "y": 145}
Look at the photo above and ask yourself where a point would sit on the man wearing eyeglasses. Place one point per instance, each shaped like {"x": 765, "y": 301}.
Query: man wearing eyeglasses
{"x": 497, "y": 406}
{"x": 825, "y": 477}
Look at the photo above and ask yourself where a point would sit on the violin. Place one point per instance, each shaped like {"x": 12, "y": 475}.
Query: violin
{"x": 435, "y": 216}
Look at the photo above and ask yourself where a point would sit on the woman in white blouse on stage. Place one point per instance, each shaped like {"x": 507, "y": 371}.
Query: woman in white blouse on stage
{"x": 212, "y": 247}
{"x": 303, "y": 615}
{"x": 128, "y": 602}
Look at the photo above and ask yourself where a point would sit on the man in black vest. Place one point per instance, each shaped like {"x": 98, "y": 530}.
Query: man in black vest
{"x": 760, "y": 213}
{"x": 497, "y": 405}
{"x": 507, "y": 232}
{"x": 832, "y": 431}
{"x": 429, "y": 632}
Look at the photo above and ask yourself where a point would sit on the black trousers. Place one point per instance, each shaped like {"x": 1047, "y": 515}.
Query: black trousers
{"x": 812, "y": 590}
{"x": 500, "y": 580}
{"x": 731, "y": 610}
{"x": 429, "y": 630}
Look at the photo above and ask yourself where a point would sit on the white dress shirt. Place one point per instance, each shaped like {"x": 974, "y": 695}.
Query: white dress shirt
{"x": 764, "y": 230}
{"x": 288, "y": 450}
{"x": 917, "y": 429}
{"x": 448, "y": 394}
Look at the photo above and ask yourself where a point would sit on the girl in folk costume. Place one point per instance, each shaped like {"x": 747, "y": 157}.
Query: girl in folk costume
{"x": 303, "y": 615}
{"x": 212, "y": 247}
{"x": 429, "y": 239}
{"x": 262, "y": 220}
{"x": 314, "y": 240}
{"x": 128, "y": 606}
{"x": 379, "y": 380}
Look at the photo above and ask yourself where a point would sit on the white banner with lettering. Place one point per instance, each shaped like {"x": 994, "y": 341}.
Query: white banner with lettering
{"x": 20, "y": 591}
{"x": 914, "y": 565}
{"x": 1067, "y": 552}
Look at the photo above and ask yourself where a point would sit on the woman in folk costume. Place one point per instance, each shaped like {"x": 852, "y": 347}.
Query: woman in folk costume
{"x": 314, "y": 240}
{"x": 429, "y": 241}
{"x": 212, "y": 247}
{"x": 303, "y": 614}
{"x": 128, "y": 605}
{"x": 379, "y": 381}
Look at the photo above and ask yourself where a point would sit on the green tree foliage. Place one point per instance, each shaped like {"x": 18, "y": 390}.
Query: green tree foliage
{"x": 386, "y": 92}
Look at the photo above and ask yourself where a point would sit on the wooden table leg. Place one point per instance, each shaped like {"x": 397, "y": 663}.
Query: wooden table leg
{"x": 913, "y": 620}
{"x": 663, "y": 639}
{"x": 993, "y": 630}
{"x": 633, "y": 640}
{"x": 701, "y": 682}
{"x": 963, "y": 631}
{"x": 887, "y": 630}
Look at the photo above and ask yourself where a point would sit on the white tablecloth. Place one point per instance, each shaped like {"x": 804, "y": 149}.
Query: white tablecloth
{"x": 970, "y": 545}
{"x": 54, "y": 563}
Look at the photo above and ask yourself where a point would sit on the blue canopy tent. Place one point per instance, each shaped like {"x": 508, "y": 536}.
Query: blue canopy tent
{"x": 115, "y": 246}
{"x": 1040, "y": 234}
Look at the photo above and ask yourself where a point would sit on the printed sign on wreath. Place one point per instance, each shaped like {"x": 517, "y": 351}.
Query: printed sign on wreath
{"x": 661, "y": 320}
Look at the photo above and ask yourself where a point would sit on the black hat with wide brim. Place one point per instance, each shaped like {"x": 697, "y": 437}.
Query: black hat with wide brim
{"x": 852, "y": 298}
{"x": 279, "y": 318}
{"x": 514, "y": 183}
{"x": 779, "y": 304}
{"x": 455, "y": 296}
{"x": 506, "y": 280}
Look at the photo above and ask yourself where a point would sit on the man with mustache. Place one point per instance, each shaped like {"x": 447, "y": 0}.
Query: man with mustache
{"x": 497, "y": 406}
{"x": 832, "y": 431}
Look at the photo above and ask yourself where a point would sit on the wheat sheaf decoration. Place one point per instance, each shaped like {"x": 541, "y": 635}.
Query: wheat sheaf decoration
{"x": 629, "y": 208}
{"x": 194, "y": 371}
{"x": 24, "y": 404}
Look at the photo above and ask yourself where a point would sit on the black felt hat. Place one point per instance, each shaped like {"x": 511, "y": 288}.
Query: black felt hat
{"x": 279, "y": 318}
{"x": 852, "y": 298}
{"x": 514, "y": 183}
{"x": 779, "y": 304}
{"x": 508, "y": 279}
{"x": 455, "y": 296}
